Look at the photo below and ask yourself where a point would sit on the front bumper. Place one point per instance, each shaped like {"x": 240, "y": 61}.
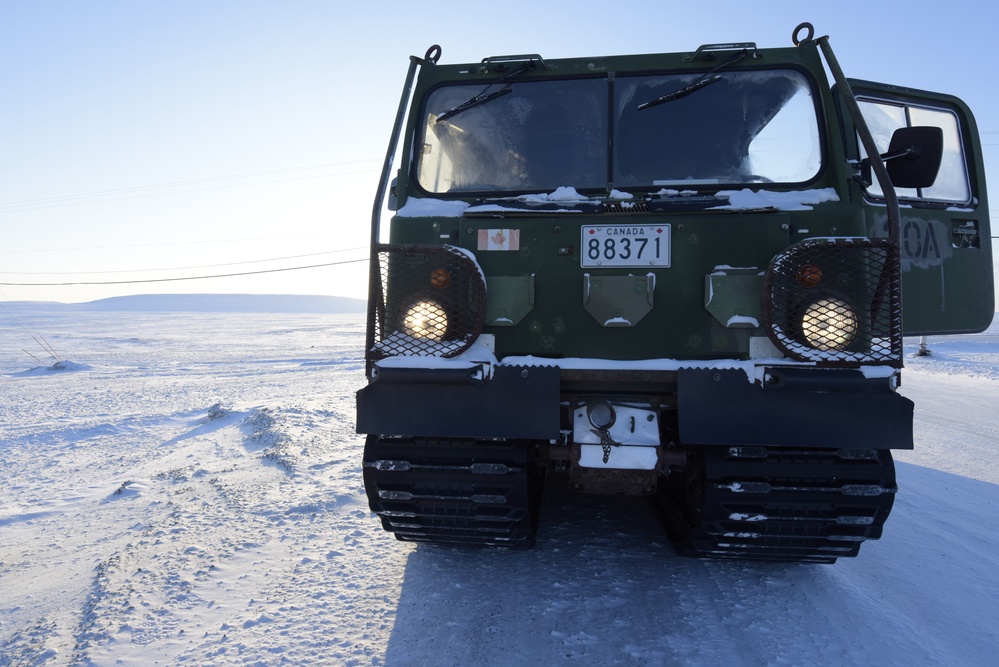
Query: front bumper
{"x": 510, "y": 402}
{"x": 793, "y": 407}
{"x": 778, "y": 406}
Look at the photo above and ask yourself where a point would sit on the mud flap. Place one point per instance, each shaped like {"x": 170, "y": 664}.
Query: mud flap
{"x": 517, "y": 402}
{"x": 805, "y": 407}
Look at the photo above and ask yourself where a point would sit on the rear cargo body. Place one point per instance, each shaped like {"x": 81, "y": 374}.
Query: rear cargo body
{"x": 677, "y": 276}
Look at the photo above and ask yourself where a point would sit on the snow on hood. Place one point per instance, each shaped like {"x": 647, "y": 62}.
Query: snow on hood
{"x": 426, "y": 208}
{"x": 443, "y": 208}
{"x": 561, "y": 194}
{"x": 796, "y": 200}
{"x": 671, "y": 192}
{"x": 739, "y": 200}
{"x": 618, "y": 194}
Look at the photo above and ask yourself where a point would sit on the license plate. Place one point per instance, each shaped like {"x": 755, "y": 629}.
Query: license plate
{"x": 625, "y": 245}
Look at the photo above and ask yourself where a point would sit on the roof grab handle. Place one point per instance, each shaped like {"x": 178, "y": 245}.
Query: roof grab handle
{"x": 705, "y": 50}
{"x": 531, "y": 57}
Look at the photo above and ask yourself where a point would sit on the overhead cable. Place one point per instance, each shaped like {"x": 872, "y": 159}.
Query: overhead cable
{"x": 166, "y": 280}
{"x": 179, "y": 268}
{"x": 150, "y": 190}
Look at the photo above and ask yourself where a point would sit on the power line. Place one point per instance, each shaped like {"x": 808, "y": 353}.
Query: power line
{"x": 177, "y": 268}
{"x": 158, "y": 245}
{"x": 141, "y": 191}
{"x": 165, "y": 280}
{"x": 173, "y": 192}
{"x": 194, "y": 181}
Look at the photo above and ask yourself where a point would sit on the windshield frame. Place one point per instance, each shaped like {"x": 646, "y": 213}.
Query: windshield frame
{"x": 610, "y": 179}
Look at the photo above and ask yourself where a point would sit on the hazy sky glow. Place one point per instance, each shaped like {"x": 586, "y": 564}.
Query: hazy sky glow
{"x": 153, "y": 140}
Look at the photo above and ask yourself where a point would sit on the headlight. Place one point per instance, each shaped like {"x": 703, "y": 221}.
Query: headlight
{"x": 830, "y": 324}
{"x": 425, "y": 319}
{"x": 431, "y": 301}
{"x": 835, "y": 300}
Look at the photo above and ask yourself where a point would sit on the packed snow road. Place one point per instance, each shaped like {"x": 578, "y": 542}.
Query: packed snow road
{"x": 186, "y": 489}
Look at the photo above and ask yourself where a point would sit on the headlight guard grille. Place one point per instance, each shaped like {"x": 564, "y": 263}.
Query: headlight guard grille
{"x": 864, "y": 273}
{"x": 442, "y": 282}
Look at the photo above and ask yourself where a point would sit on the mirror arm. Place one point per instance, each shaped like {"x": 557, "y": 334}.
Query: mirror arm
{"x": 863, "y": 167}
{"x": 911, "y": 150}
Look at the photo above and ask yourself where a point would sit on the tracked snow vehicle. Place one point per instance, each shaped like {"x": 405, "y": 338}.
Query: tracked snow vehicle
{"x": 677, "y": 276}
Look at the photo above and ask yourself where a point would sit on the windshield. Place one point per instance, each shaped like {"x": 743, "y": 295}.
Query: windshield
{"x": 746, "y": 127}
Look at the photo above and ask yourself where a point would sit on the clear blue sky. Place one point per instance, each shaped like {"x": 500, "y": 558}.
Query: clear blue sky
{"x": 158, "y": 139}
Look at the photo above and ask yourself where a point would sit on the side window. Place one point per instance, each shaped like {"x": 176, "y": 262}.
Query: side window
{"x": 884, "y": 117}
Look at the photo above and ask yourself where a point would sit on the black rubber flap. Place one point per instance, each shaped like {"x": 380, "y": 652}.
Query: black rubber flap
{"x": 722, "y": 407}
{"x": 516, "y": 402}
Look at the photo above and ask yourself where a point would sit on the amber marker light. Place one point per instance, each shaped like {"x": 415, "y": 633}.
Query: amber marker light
{"x": 809, "y": 275}
{"x": 440, "y": 278}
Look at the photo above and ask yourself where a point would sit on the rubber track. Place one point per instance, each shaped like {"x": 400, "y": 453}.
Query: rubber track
{"x": 456, "y": 492}
{"x": 779, "y": 504}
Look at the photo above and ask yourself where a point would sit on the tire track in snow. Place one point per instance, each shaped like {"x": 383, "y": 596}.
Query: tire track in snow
{"x": 245, "y": 536}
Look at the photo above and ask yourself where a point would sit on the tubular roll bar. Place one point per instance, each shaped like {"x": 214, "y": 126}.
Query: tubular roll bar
{"x": 374, "y": 272}
{"x": 894, "y": 260}
{"x": 873, "y": 153}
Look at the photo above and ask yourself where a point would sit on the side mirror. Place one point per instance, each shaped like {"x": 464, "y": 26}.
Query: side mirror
{"x": 914, "y": 156}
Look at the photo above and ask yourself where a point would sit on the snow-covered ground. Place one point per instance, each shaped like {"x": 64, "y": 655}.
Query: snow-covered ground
{"x": 186, "y": 489}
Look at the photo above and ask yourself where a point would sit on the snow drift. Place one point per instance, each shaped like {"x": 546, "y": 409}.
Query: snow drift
{"x": 195, "y": 497}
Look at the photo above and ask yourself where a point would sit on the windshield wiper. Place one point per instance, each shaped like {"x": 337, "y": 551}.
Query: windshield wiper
{"x": 484, "y": 97}
{"x": 705, "y": 80}
{"x": 681, "y": 92}
{"x": 481, "y": 98}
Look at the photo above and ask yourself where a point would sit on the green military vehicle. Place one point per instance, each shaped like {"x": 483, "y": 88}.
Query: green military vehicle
{"x": 677, "y": 276}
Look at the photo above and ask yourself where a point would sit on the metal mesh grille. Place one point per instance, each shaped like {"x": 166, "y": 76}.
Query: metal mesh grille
{"x": 431, "y": 303}
{"x": 836, "y": 301}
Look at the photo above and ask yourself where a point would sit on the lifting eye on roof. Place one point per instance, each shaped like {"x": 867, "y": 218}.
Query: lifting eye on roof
{"x": 433, "y": 54}
{"x": 809, "y": 33}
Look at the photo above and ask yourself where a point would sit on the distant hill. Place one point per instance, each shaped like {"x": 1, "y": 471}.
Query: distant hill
{"x": 211, "y": 303}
